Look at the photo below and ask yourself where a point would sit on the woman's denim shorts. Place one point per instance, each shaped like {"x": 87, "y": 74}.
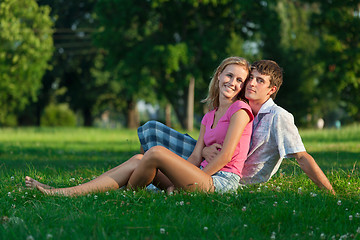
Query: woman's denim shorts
{"x": 226, "y": 181}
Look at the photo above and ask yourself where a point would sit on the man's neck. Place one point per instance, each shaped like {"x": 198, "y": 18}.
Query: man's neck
{"x": 256, "y": 105}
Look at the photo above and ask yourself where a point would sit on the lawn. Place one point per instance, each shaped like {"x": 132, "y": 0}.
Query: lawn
{"x": 289, "y": 206}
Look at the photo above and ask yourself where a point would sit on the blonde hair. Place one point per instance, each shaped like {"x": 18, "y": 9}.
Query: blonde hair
{"x": 212, "y": 99}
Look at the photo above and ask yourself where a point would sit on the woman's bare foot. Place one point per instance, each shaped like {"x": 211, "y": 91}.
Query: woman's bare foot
{"x": 56, "y": 191}
{"x": 32, "y": 183}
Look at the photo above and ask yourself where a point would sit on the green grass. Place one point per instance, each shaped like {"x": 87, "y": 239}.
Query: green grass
{"x": 289, "y": 206}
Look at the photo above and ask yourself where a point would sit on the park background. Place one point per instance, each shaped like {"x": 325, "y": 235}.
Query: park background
{"x": 110, "y": 65}
{"x": 101, "y": 63}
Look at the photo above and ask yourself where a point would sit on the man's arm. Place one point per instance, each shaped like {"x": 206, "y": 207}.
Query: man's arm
{"x": 310, "y": 167}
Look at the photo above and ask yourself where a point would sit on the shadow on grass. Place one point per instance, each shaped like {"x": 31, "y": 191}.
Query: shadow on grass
{"x": 51, "y": 158}
{"x": 89, "y": 155}
{"x": 328, "y": 161}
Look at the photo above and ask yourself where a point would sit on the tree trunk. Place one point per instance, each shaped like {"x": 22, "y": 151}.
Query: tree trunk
{"x": 168, "y": 115}
{"x": 88, "y": 121}
{"x": 132, "y": 115}
{"x": 190, "y": 105}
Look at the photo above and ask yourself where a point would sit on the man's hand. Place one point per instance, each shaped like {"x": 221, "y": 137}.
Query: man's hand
{"x": 209, "y": 153}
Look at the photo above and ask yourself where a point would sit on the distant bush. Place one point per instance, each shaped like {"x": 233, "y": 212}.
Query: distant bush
{"x": 58, "y": 115}
{"x": 10, "y": 120}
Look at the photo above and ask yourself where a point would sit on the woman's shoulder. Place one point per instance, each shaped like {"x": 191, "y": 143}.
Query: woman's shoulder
{"x": 239, "y": 104}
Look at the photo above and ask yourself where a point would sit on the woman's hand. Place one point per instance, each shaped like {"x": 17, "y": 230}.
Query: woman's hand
{"x": 209, "y": 153}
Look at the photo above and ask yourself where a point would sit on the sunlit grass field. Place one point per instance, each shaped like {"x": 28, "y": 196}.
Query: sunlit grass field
{"x": 289, "y": 206}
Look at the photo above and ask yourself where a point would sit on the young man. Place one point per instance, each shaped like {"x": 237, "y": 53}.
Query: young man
{"x": 274, "y": 135}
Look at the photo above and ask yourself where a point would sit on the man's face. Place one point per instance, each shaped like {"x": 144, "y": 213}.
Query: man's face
{"x": 258, "y": 88}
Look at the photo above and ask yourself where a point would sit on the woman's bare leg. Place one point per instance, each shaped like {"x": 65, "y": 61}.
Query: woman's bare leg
{"x": 110, "y": 180}
{"x": 179, "y": 171}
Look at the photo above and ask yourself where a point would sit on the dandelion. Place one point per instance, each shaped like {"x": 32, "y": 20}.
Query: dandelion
{"x": 205, "y": 228}
{"x": 339, "y": 202}
{"x": 322, "y": 236}
{"x": 350, "y": 217}
{"x": 12, "y": 178}
{"x": 30, "y": 237}
{"x": 243, "y": 209}
{"x": 162, "y": 230}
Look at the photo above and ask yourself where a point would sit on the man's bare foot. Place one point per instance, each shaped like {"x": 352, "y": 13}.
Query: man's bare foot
{"x": 32, "y": 183}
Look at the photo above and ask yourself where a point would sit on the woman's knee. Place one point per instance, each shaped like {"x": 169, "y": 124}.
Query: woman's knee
{"x": 154, "y": 153}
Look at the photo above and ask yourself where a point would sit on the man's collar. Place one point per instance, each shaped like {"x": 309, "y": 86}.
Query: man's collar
{"x": 265, "y": 108}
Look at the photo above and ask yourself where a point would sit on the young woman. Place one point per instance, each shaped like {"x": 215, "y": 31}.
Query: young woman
{"x": 229, "y": 123}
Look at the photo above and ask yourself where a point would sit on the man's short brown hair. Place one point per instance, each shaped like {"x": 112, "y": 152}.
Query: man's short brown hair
{"x": 272, "y": 69}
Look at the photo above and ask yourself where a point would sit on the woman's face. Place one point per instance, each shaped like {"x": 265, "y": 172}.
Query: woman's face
{"x": 231, "y": 81}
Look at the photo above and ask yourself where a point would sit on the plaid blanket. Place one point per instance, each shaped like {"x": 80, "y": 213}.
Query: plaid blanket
{"x": 154, "y": 133}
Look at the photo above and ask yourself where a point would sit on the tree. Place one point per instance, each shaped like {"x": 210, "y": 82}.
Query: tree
{"x": 73, "y": 59}
{"x": 157, "y": 47}
{"x": 26, "y": 45}
{"x": 337, "y": 25}
{"x": 281, "y": 30}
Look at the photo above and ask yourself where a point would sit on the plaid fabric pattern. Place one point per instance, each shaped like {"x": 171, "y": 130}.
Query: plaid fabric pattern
{"x": 154, "y": 133}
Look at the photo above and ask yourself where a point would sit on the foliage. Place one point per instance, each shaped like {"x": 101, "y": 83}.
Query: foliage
{"x": 111, "y": 53}
{"x": 26, "y": 45}
{"x": 337, "y": 25}
{"x": 289, "y": 206}
{"x": 163, "y": 44}
{"x": 73, "y": 60}
{"x": 58, "y": 115}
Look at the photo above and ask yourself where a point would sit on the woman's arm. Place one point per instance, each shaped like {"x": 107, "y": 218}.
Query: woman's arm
{"x": 195, "y": 157}
{"x": 238, "y": 122}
